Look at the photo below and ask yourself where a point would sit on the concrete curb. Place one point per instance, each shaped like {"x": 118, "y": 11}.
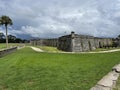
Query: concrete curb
{"x": 108, "y": 82}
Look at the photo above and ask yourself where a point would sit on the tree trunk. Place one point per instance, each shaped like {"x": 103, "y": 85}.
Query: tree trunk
{"x": 6, "y": 37}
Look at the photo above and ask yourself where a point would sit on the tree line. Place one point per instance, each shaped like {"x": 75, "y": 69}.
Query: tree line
{"x": 11, "y": 39}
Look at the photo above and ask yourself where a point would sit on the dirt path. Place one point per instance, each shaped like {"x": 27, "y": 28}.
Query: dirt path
{"x": 37, "y": 49}
{"x": 108, "y": 51}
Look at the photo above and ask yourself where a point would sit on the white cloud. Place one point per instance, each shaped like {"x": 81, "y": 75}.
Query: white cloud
{"x": 44, "y": 18}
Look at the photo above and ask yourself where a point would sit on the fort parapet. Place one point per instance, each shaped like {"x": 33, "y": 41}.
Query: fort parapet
{"x": 76, "y": 43}
{"x": 81, "y": 43}
{"x": 44, "y": 42}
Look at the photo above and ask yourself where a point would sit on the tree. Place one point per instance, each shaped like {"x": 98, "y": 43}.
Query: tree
{"x": 18, "y": 40}
{"x": 119, "y": 36}
{"x": 11, "y": 38}
{"x": 2, "y": 35}
{"x": 5, "y": 20}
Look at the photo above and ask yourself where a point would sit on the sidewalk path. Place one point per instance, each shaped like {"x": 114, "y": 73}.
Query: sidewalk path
{"x": 37, "y": 49}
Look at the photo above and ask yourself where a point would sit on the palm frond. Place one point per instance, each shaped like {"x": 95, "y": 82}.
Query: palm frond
{"x": 5, "y": 20}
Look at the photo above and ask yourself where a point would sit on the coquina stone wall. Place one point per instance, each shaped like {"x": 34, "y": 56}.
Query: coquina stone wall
{"x": 116, "y": 42}
{"x": 77, "y": 43}
{"x": 4, "y": 52}
{"x": 65, "y": 43}
{"x": 44, "y": 42}
{"x": 81, "y": 43}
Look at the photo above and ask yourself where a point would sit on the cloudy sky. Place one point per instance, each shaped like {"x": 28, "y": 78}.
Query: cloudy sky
{"x": 53, "y": 18}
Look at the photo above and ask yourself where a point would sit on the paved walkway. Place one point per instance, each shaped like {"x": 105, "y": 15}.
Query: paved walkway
{"x": 108, "y": 51}
{"x": 37, "y": 49}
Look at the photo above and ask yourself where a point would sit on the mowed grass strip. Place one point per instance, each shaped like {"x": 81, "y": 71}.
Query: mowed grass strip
{"x": 3, "y": 45}
{"x": 49, "y": 49}
{"x": 105, "y": 49}
{"x": 30, "y": 70}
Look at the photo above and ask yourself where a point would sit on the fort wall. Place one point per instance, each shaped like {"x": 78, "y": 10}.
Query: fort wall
{"x": 44, "y": 42}
{"x": 76, "y": 43}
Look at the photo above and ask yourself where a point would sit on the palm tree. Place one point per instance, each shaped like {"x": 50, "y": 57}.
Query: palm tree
{"x": 5, "y": 20}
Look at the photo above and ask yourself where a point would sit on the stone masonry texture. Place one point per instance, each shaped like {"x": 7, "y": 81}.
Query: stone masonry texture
{"x": 77, "y": 43}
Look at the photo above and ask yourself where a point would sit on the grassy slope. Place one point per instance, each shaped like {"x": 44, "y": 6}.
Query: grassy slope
{"x": 3, "y": 45}
{"x": 49, "y": 49}
{"x": 105, "y": 49}
{"x": 29, "y": 70}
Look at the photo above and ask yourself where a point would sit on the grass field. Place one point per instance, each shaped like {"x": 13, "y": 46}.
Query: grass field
{"x": 3, "y": 45}
{"x": 30, "y": 70}
{"x": 105, "y": 49}
{"x": 49, "y": 49}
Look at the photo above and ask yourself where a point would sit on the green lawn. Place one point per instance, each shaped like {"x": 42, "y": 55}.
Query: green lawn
{"x": 3, "y": 45}
{"x": 49, "y": 49}
{"x": 105, "y": 49}
{"x": 30, "y": 70}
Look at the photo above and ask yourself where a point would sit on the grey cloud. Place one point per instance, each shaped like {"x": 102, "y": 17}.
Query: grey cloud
{"x": 52, "y": 18}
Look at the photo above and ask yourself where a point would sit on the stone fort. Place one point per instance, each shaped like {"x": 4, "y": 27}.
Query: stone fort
{"x": 77, "y": 43}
